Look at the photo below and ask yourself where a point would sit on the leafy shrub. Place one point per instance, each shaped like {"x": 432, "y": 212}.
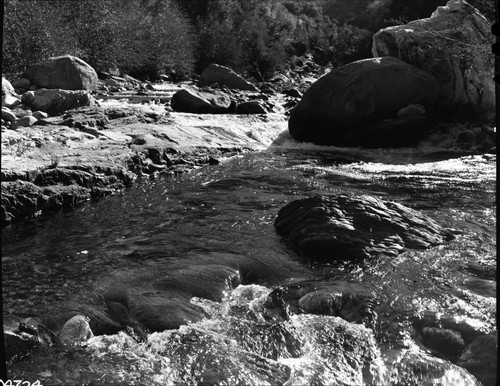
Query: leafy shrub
{"x": 32, "y": 31}
{"x": 143, "y": 36}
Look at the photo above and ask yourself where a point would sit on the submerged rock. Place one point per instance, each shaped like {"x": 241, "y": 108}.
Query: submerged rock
{"x": 481, "y": 359}
{"x": 357, "y": 96}
{"x": 224, "y": 76}
{"x": 344, "y": 228}
{"x": 352, "y": 302}
{"x": 447, "y": 343}
{"x": 63, "y": 72}
{"x": 454, "y": 45}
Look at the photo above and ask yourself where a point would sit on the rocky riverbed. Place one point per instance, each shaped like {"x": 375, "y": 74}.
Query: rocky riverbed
{"x": 90, "y": 152}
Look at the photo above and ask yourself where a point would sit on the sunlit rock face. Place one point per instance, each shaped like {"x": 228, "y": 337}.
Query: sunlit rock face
{"x": 343, "y": 228}
{"x": 358, "y": 97}
{"x": 454, "y": 45}
{"x": 65, "y": 72}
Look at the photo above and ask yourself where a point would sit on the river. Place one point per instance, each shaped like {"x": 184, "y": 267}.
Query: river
{"x": 223, "y": 216}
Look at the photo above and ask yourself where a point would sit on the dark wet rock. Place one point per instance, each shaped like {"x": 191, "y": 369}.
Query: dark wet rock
{"x": 23, "y": 335}
{"x": 358, "y": 95}
{"x": 344, "y": 228}
{"x": 224, "y": 76}
{"x": 155, "y": 312}
{"x": 446, "y": 343}
{"x": 435, "y": 45}
{"x": 20, "y": 199}
{"x": 56, "y": 189}
{"x": 411, "y": 110}
{"x": 404, "y": 131}
{"x": 251, "y": 107}
{"x": 18, "y": 344}
{"x": 466, "y": 139}
{"x": 56, "y": 101}
{"x": 13, "y": 175}
{"x": 62, "y": 72}
{"x": 65, "y": 177}
{"x": 204, "y": 281}
{"x": 467, "y": 329}
{"x": 293, "y": 92}
{"x": 201, "y": 102}
{"x": 351, "y": 301}
{"x": 75, "y": 331}
{"x": 480, "y": 358}
{"x": 58, "y": 197}
{"x": 21, "y": 83}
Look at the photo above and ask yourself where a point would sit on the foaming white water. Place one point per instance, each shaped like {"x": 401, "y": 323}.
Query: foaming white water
{"x": 242, "y": 342}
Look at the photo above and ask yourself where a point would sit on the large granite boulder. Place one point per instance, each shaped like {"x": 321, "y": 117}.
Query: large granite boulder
{"x": 454, "y": 45}
{"x": 201, "y": 102}
{"x": 56, "y": 101}
{"x": 344, "y": 228}
{"x": 65, "y": 72}
{"x": 224, "y": 76}
{"x": 357, "y": 96}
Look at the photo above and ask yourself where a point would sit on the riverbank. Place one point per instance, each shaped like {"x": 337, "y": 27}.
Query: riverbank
{"x": 92, "y": 152}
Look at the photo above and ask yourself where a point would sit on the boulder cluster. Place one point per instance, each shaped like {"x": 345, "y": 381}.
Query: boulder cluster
{"x": 422, "y": 72}
{"x": 48, "y": 88}
{"x": 222, "y": 91}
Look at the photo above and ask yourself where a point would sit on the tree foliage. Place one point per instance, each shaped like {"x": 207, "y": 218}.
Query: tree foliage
{"x": 146, "y": 37}
{"x": 141, "y": 36}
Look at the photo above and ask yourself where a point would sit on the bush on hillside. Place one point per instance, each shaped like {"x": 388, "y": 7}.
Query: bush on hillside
{"x": 141, "y": 37}
{"x": 32, "y": 31}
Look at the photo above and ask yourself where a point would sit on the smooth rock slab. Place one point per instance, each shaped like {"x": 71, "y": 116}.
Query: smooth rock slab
{"x": 345, "y": 228}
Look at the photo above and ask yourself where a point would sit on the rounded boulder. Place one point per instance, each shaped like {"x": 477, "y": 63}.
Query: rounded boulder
{"x": 62, "y": 72}
{"x": 357, "y": 96}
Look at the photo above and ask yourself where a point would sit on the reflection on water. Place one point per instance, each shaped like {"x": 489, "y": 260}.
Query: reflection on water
{"x": 224, "y": 216}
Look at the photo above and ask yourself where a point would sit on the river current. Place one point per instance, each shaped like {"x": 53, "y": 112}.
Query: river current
{"x": 225, "y": 214}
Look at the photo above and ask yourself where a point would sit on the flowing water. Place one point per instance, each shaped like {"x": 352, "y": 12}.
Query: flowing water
{"x": 223, "y": 216}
